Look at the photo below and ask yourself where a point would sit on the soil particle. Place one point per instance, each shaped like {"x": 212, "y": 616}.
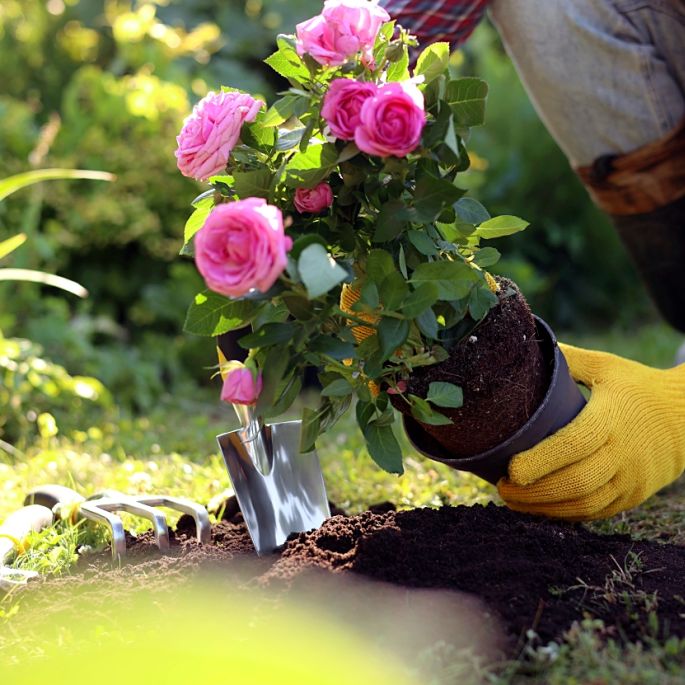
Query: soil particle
{"x": 501, "y": 371}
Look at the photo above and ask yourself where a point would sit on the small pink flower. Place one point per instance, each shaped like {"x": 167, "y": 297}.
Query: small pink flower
{"x": 342, "y": 105}
{"x": 242, "y": 246}
{"x": 391, "y": 121}
{"x": 344, "y": 29}
{"x": 240, "y": 385}
{"x": 313, "y": 200}
{"x": 211, "y": 131}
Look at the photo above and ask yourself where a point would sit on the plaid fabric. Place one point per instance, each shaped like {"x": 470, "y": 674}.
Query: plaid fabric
{"x": 437, "y": 20}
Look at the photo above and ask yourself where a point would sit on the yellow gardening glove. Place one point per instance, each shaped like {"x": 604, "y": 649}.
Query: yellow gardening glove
{"x": 627, "y": 443}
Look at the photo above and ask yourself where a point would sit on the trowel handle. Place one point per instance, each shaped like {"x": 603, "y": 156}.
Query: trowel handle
{"x": 18, "y": 525}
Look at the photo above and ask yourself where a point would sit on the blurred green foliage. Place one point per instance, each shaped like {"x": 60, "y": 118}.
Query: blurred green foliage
{"x": 106, "y": 85}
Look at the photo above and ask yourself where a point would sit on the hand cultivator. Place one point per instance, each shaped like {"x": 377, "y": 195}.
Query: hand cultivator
{"x": 104, "y": 506}
{"x": 13, "y": 534}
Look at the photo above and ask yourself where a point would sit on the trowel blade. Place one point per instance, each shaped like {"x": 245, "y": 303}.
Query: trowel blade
{"x": 290, "y": 498}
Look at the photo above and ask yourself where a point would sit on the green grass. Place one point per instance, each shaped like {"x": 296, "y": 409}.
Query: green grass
{"x": 173, "y": 450}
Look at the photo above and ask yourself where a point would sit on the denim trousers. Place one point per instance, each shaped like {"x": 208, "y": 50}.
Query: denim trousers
{"x": 606, "y": 76}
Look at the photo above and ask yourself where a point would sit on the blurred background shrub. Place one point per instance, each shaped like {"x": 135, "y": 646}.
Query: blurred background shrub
{"x": 106, "y": 85}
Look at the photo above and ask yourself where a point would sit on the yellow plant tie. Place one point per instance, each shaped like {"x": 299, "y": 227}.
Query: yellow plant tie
{"x": 348, "y": 297}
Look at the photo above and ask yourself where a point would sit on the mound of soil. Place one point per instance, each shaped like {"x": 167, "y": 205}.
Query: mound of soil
{"x": 502, "y": 372}
{"x": 531, "y": 573}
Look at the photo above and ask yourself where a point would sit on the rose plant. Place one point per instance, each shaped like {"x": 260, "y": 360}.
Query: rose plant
{"x": 346, "y": 183}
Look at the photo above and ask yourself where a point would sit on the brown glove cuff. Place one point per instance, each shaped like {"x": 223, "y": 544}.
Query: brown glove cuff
{"x": 642, "y": 180}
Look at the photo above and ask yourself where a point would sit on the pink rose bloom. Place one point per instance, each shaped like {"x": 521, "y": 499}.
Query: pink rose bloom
{"x": 240, "y": 386}
{"x": 342, "y": 105}
{"x": 211, "y": 131}
{"x": 242, "y": 246}
{"x": 343, "y": 29}
{"x": 391, "y": 121}
{"x": 313, "y": 200}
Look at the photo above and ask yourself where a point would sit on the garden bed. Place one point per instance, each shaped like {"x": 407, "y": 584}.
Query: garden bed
{"x": 530, "y": 573}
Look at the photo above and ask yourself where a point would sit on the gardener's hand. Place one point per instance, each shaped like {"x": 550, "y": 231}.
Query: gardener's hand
{"x": 627, "y": 443}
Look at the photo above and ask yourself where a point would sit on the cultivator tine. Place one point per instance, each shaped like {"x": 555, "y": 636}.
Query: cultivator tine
{"x": 199, "y": 514}
{"x": 92, "y": 512}
{"x": 132, "y": 506}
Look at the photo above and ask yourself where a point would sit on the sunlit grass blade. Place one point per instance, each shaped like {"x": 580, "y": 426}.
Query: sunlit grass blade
{"x": 19, "y": 181}
{"x": 46, "y": 279}
{"x": 11, "y": 244}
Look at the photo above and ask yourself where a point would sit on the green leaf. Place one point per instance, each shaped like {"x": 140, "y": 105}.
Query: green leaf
{"x": 11, "y": 244}
{"x": 369, "y": 295}
{"x": 285, "y": 397}
{"x": 310, "y": 430}
{"x": 289, "y": 138}
{"x": 402, "y": 259}
{"x": 299, "y": 306}
{"x": 500, "y": 226}
{"x": 274, "y": 369}
{"x": 338, "y": 388}
{"x": 428, "y": 323}
{"x": 258, "y": 136}
{"x": 391, "y": 221}
{"x": 392, "y": 333}
{"x": 433, "y": 61}
{"x": 393, "y": 290}
{"x": 318, "y": 270}
{"x": 379, "y": 264}
{"x": 332, "y": 347}
{"x": 466, "y": 96}
{"x": 419, "y": 300}
{"x": 432, "y": 195}
{"x": 269, "y": 334}
{"x": 481, "y": 301}
{"x": 399, "y": 70}
{"x": 211, "y": 314}
{"x": 422, "y": 242}
{"x": 486, "y": 256}
{"x": 11, "y": 184}
{"x": 422, "y": 411}
{"x": 286, "y": 62}
{"x": 307, "y": 169}
{"x": 283, "y": 109}
{"x": 471, "y": 211}
{"x": 197, "y": 218}
{"x": 305, "y": 241}
{"x": 252, "y": 183}
{"x": 384, "y": 448}
{"x": 453, "y": 280}
{"x": 445, "y": 395}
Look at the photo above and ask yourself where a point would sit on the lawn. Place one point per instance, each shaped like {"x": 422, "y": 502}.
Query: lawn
{"x": 172, "y": 450}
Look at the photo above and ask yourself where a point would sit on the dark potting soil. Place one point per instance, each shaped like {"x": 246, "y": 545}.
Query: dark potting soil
{"x": 502, "y": 373}
{"x": 531, "y": 573}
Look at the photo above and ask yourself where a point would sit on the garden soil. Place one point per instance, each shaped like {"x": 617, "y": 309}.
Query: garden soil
{"x": 502, "y": 372}
{"x": 528, "y": 573}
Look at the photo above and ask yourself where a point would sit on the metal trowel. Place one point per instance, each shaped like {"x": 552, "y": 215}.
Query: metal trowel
{"x": 280, "y": 490}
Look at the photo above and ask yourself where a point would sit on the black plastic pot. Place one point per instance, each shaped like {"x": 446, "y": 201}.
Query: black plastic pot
{"x": 563, "y": 401}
